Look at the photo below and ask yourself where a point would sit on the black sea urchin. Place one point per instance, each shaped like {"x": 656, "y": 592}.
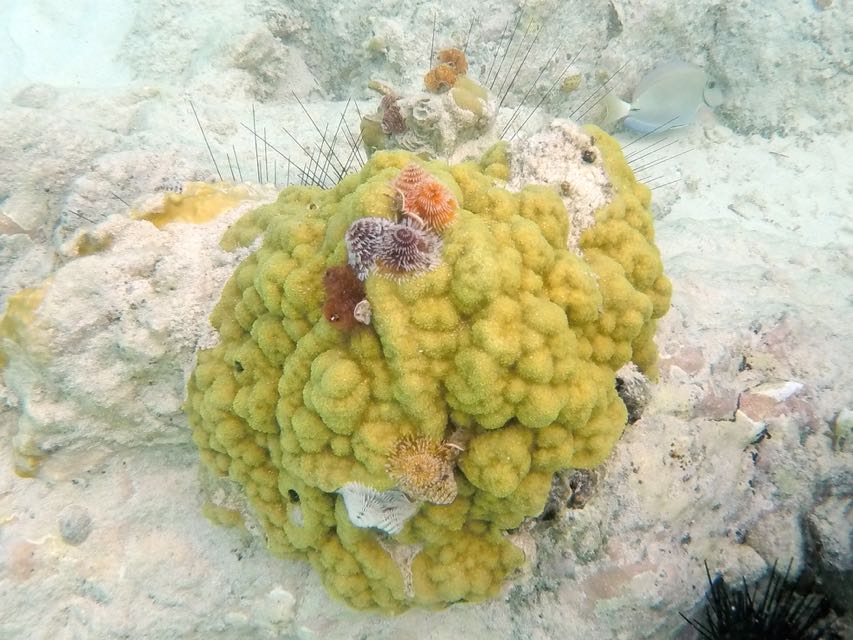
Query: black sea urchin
{"x": 779, "y": 612}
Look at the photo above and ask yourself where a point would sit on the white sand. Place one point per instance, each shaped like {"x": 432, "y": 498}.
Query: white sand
{"x": 756, "y": 236}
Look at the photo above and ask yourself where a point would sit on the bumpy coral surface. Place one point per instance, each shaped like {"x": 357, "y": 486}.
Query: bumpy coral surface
{"x": 512, "y": 341}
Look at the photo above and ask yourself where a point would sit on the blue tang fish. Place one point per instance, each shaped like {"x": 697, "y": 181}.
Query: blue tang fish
{"x": 667, "y": 97}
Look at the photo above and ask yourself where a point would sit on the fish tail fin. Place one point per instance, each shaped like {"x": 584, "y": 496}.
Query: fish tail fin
{"x": 614, "y": 110}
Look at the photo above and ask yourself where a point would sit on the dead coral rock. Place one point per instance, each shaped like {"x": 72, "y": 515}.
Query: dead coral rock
{"x": 265, "y": 59}
{"x": 689, "y": 359}
{"x": 775, "y": 400}
{"x": 555, "y": 506}
{"x": 717, "y": 404}
{"x": 584, "y": 485}
{"x": 452, "y": 118}
{"x": 570, "y": 489}
{"x": 830, "y": 527}
{"x": 285, "y": 23}
{"x": 633, "y": 387}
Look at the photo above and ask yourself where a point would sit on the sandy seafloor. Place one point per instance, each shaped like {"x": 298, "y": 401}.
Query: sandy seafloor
{"x": 107, "y": 540}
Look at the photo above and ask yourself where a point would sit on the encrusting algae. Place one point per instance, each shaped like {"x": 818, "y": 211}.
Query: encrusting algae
{"x": 198, "y": 202}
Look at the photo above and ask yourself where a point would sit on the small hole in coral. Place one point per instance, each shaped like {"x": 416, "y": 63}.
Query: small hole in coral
{"x": 238, "y": 366}
{"x": 312, "y": 206}
{"x": 292, "y": 496}
{"x": 588, "y": 156}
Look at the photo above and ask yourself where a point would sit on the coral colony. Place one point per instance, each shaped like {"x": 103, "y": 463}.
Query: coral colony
{"x": 414, "y": 351}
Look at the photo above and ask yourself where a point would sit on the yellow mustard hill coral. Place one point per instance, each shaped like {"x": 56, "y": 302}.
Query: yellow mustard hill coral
{"x": 507, "y": 347}
{"x": 624, "y": 233}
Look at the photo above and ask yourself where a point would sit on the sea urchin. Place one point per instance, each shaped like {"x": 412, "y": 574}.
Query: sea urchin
{"x": 780, "y": 613}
